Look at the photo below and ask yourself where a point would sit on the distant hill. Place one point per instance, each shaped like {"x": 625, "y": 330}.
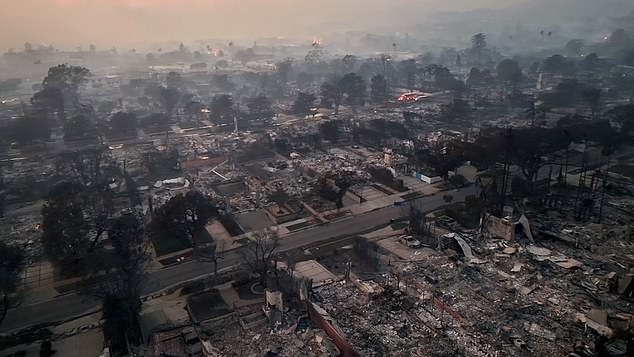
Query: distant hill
{"x": 548, "y": 11}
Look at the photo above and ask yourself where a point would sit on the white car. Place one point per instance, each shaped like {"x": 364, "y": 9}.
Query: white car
{"x": 410, "y": 242}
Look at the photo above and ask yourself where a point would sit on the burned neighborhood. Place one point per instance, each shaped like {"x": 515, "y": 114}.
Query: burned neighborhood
{"x": 444, "y": 180}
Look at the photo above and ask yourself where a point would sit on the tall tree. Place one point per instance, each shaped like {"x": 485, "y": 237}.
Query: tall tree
{"x": 329, "y": 130}
{"x": 11, "y": 258}
{"x": 408, "y": 70}
{"x": 315, "y": 54}
{"x": 168, "y": 97}
{"x": 354, "y": 87}
{"x": 280, "y": 197}
{"x": 51, "y": 101}
{"x": 283, "y": 69}
{"x": 174, "y": 80}
{"x": 303, "y": 103}
{"x": 79, "y": 127}
{"x": 184, "y": 216}
{"x": 260, "y": 107}
{"x": 124, "y": 124}
{"x": 509, "y": 71}
{"x": 331, "y": 92}
{"x": 67, "y": 79}
{"x": 378, "y": 91}
{"x": 30, "y": 127}
{"x": 593, "y": 97}
{"x": 478, "y": 45}
{"x": 222, "y": 109}
{"x": 64, "y": 227}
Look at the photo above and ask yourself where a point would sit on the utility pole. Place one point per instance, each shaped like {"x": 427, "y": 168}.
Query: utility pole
{"x": 582, "y": 180}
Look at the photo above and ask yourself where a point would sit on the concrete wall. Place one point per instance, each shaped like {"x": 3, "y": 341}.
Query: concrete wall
{"x": 340, "y": 341}
{"x": 427, "y": 179}
{"x": 499, "y": 227}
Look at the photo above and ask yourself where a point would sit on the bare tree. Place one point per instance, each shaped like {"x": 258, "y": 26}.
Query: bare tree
{"x": 258, "y": 254}
{"x": 210, "y": 252}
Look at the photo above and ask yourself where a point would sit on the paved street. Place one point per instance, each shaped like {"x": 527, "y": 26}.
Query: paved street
{"x": 67, "y": 306}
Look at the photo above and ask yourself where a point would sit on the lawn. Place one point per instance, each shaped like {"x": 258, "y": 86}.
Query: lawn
{"x": 399, "y": 225}
{"x": 296, "y": 226}
{"x": 412, "y": 196}
{"x": 207, "y": 306}
{"x": 244, "y": 291}
{"x": 164, "y": 245}
{"x": 174, "y": 259}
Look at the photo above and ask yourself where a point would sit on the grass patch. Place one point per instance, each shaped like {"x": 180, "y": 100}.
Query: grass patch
{"x": 164, "y": 246}
{"x": 412, "y": 196}
{"x": 230, "y": 224}
{"x": 174, "y": 259}
{"x": 382, "y": 189}
{"x": 399, "y": 225}
{"x": 296, "y": 226}
{"x": 245, "y": 293}
{"x": 207, "y": 306}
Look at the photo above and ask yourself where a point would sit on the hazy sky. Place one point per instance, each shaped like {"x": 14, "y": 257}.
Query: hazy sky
{"x": 130, "y": 22}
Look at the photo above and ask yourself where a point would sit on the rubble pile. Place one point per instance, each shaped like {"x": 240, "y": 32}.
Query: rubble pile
{"x": 388, "y": 324}
{"x": 230, "y": 339}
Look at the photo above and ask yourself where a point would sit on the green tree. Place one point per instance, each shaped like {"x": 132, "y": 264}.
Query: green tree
{"x": 332, "y": 93}
{"x": 67, "y": 79}
{"x": 509, "y": 71}
{"x": 303, "y": 103}
{"x": 354, "y": 87}
{"x": 194, "y": 108}
{"x": 280, "y": 197}
{"x": 222, "y": 109}
{"x": 30, "y": 127}
{"x": 378, "y": 88}
{"x": 479, "y": 42}
{"x": 283, "y": 70}
{"x": 315, "y": 54}
{"x": 79, "y": 127}
{"x": 592, "y": 96}
{"x": 260, "y": 108}
{"x": 574, "y": 47}
{"x": 329, "y": 130}
{"x": 408, "y": 70}
{"x": 245, "y": 55}
{"x": 51, "y": 101}
{"x": 184, "y": 216}
{"x": 168, "y": 97}
{"x": 64, "y": 226}
{"x": 348, "y": 63}
{"x": 124, "y": 124}
{"x": 174, "y": 80}
{"x": 558, "y": 64}
{"x": 479, "y": 45}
